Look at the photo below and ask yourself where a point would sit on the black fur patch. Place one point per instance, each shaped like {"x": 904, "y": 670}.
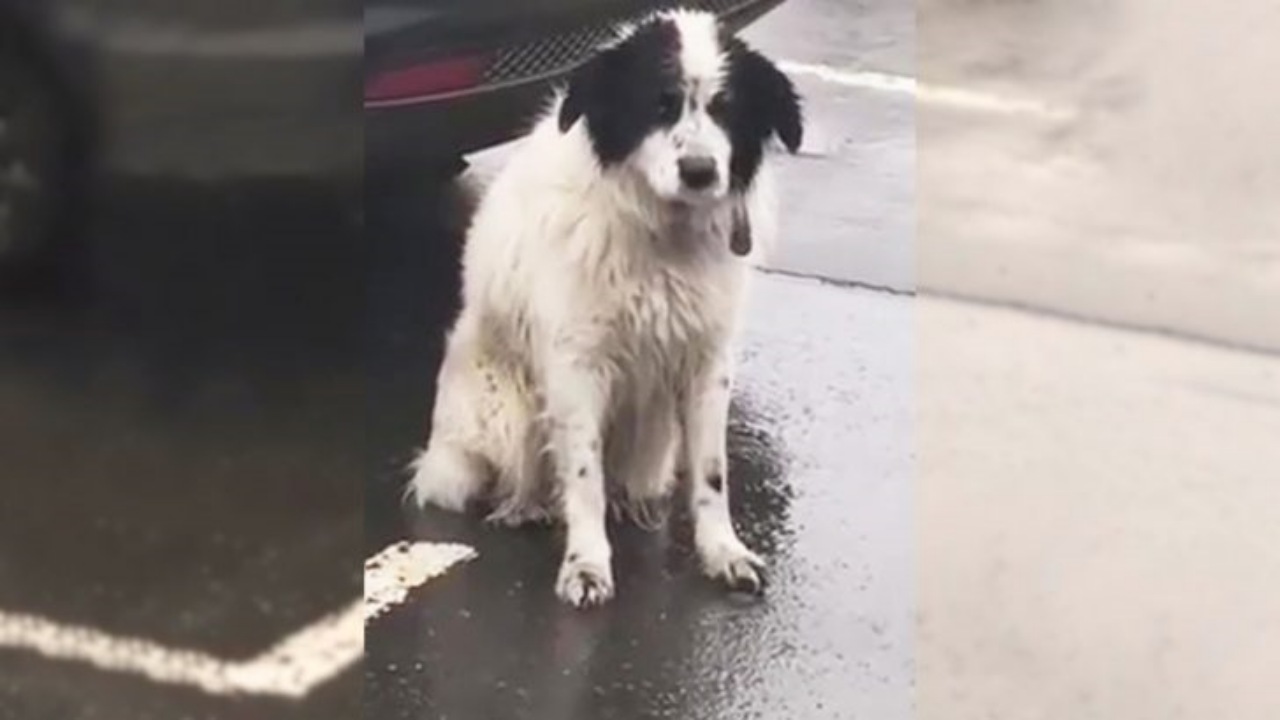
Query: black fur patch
{"x": 627, "y": 91}
{"x": 757, "y": 102}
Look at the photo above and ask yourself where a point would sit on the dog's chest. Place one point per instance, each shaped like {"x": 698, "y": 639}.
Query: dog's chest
{"x": 664, "y": 320}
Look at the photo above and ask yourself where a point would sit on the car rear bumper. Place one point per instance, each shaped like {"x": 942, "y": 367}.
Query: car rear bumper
{"x": 429, "y": 132}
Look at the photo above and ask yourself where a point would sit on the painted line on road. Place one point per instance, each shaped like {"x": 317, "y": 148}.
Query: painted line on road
{"x": 934, "y": 94}
{"x": 290, "y": 668}
{"x": 391, "y": 574}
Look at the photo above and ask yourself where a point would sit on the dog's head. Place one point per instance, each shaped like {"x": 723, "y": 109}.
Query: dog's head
{"x": 683, "y": 104}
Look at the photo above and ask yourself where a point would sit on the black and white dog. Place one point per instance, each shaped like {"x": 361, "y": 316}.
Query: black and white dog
{"x": 603, "y": 279}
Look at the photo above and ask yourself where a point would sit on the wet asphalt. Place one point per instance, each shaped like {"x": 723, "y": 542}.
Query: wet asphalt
{"x": 181, "y": 428}
{"x": 820, "y": 466}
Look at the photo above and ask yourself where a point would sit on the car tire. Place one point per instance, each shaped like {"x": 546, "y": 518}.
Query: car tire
{"x": 36, "y": 184}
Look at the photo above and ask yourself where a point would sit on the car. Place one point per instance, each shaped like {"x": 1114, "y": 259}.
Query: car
{"x": 178, "y": 89}
{"x": 445, "y": 78}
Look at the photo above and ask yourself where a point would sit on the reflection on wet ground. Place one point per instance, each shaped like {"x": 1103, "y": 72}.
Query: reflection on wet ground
{"x": 181, "y": 432}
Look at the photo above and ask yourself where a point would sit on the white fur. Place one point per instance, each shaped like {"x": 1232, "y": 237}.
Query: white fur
{"x": 593, "y": 354}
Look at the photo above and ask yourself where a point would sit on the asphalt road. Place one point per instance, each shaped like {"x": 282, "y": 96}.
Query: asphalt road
{"x": 181, "y": 437}
{"x": 821, "y": 460}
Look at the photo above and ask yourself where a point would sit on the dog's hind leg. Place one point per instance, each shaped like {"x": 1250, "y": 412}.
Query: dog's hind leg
{"x": 645, "y": 465}
{"x": 524, "y": 495}
{"x": 447, "y": 476}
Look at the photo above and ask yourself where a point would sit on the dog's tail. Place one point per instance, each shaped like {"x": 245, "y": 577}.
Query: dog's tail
{"x": 445, "y": 476}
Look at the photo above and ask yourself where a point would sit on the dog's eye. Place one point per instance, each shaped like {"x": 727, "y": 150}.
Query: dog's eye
{"x": 669, "y": 105}
{"x": 719, "y": 104}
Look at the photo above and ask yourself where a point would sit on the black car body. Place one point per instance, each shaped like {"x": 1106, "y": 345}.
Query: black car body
{"x": 444, "y": 77}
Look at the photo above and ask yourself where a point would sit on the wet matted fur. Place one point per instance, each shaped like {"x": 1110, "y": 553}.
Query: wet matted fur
{"x": 603, "y": 280}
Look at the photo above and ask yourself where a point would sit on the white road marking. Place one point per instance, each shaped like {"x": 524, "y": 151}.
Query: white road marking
{"x": 308, "y": 658}
{"x": 291, "y": 668}
{"x": 935, "y": 94}
{"x": 402, "y": 566}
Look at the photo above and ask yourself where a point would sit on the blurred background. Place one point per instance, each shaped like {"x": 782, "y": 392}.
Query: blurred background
{"x": 182, "y": 296}
{"x": 1098, "y": 386}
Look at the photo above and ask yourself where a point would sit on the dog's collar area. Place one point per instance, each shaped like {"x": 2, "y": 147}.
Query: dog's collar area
{"x": 740, "y": 233}
{"x": 687, "y": 220}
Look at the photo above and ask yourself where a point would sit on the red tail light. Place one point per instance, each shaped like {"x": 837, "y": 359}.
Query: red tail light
{"x": 421, "y": 81}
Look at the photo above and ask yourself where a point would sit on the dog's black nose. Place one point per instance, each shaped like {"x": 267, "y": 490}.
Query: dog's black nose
{"x": 697, "y": 172}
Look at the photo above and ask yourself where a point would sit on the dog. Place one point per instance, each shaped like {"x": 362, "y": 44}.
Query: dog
{"x": 603, "y": 279}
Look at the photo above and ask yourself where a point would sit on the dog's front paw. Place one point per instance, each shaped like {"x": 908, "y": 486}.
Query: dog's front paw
{"x": 730, "y": 562}
{"x": 584, "y": 584}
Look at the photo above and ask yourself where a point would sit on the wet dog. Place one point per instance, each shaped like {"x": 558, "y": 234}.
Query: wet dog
{"x": 603, "y": 279}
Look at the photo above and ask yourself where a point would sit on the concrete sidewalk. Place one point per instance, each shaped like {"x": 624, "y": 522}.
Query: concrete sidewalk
{"x": 1097, "y": 512}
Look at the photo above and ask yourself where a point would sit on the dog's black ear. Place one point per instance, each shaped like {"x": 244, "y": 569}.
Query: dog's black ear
{"x": 781, "y": 103}
{"x": 787, "y": 119}
{"x": 768, "y": 101}
{"x": 582, "y": 93}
